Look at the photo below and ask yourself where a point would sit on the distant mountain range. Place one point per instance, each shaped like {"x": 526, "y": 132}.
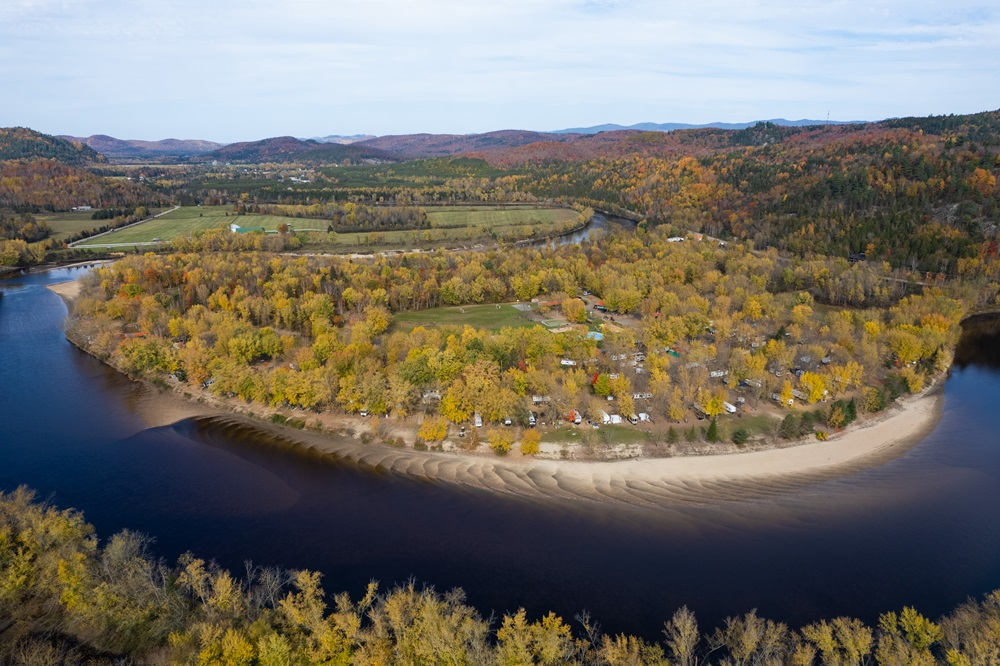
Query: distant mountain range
{"x": 670, "y": 127}
{"x": 339, "y": 138}
{"x": 361, "y": 147}
{"x": 440, "y": 145}
{"x": 136, "y": 149}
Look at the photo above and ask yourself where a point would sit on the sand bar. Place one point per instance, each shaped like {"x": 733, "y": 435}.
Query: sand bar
{"x": 68, "y": 290}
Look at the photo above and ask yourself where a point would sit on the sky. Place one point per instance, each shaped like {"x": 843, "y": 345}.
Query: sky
{"x": 227, "y": 70}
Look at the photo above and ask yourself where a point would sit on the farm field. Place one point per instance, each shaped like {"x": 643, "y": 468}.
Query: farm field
{"x": 496, "y": 217}
{"x": 189, "y": 219}
{"x": 488, "y": 316}
{"x": 452, "y": 225}
{"x": 67, "y": 224}
{"x": 449, "y": 224}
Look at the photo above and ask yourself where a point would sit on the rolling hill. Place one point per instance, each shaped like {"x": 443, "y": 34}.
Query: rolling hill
{"x": 22, "y": 143}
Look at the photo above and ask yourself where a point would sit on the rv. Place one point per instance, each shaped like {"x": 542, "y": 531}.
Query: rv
{"x": 477, "y": 420}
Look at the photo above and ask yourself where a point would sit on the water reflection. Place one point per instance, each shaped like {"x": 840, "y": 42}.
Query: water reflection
{"x": 923, "y": 529}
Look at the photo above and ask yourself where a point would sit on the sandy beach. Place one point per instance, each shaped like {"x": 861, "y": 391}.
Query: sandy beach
{"x": 637, "y": 481}
{"x": 68, "y": 290}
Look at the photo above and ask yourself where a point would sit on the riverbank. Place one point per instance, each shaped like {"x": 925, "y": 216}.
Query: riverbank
{"x": 640, "y": 480}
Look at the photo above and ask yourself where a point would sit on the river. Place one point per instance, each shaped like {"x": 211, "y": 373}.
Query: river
{"x": 922, "y": 530}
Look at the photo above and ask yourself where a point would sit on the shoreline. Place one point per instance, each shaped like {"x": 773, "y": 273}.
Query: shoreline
{"x": 650, "y": 481}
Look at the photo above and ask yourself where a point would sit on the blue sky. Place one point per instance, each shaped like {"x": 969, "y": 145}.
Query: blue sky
{"x": 230, "y": 71}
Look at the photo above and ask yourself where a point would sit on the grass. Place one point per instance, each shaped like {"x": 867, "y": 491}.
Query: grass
{"x": 497, "y": 217}
{"x": 189, "y": 219}
{"x": 478, "y": 316}
{"x": 449, "y": 224}
{"x": 606, "y": 434}
{"x": 67, "y": 224}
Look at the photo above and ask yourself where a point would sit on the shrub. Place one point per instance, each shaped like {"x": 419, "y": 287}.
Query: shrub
{"x": 740, "y": 436}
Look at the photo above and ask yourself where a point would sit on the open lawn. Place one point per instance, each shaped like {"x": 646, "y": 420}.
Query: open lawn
{"x": 189, "y": 219}
{"x": 478, "y": 316}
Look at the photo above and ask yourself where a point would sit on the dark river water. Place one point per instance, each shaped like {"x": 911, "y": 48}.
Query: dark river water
{"x": 921, "y": 530}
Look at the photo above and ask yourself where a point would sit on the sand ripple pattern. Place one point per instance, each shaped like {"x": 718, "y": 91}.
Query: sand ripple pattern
{"x": 650, "y": 482}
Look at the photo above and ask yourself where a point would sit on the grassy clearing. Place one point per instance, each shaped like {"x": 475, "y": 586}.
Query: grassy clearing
{"x": 477, "y": 316}
{"x": 189, "y": 219}
{"x": 761, "y": 424}
{"x": 606, "y": 434}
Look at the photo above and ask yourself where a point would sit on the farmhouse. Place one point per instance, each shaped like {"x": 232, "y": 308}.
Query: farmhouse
{"x": 237, "y": 229}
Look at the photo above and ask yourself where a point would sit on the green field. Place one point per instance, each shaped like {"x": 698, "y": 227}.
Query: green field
{"x": 67, "y": 224}
{"x": 477, "y": 316}
{"x": 449, "y": 225}
{"x": 189, "y": 219}
{"x": 497, "y": 217}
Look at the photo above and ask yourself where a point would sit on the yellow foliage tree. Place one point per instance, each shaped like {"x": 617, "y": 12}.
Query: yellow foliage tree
{"x": 530, "y": 441}
{"x": 814, "y": 386}
{"x": 433, "y": 429}
{"x": 501, "y": 441}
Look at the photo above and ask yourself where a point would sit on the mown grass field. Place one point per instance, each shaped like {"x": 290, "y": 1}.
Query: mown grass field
{"x": 497, "y": 217}
{"x": 478, "y": 316}
{"x": 189, "y": 219}
{"x": 449, "y": 225}
{"x": 64, "y": 225}
{"x": 453, "y": 225}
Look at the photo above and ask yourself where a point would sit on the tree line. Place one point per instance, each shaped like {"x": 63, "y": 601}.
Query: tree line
{"x": 67, "y": 597}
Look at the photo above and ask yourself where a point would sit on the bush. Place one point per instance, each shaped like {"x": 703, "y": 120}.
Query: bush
{"x": 740, "y": 436}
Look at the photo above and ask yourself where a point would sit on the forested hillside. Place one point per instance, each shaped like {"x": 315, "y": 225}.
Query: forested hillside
{"x": 17, "y": 143}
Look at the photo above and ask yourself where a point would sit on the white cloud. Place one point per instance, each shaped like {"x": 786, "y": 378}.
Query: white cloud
{"x": 232, "y": 70}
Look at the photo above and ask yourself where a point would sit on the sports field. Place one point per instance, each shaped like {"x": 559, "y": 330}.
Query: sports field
{"x": 490, "y": 316}
{"x": 188, "y": 219}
